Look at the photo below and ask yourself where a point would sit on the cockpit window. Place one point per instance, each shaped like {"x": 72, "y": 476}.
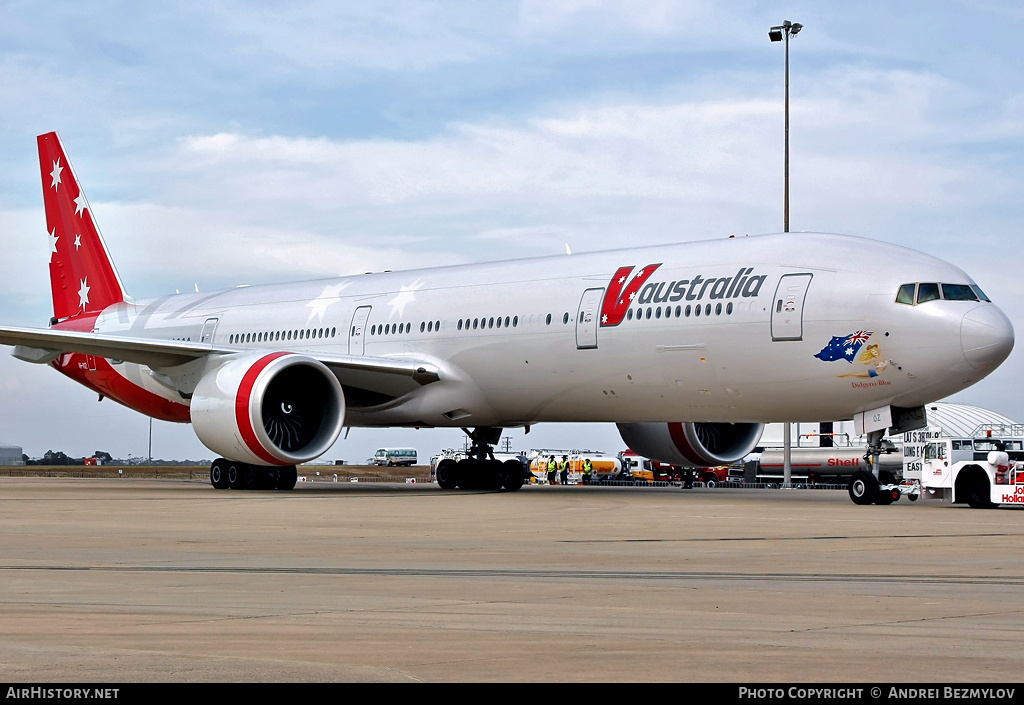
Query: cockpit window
{"x": 920, "y": 293}
{"x": 927, "y": 292}
{"x": 906, "y": 294}
{"x": 958, "y": 292}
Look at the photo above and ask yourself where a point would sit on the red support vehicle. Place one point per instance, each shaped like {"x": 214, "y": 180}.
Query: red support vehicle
{"x": 644, "y": 469}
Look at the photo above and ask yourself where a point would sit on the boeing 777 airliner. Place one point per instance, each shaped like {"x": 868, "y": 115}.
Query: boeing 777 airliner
{"x": 689, "y": 348}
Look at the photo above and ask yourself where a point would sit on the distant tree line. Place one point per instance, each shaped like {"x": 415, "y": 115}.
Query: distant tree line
{"x": 57, "y": 457}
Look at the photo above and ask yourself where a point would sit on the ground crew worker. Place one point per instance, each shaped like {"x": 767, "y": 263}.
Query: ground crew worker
{"x": 588, "y": 471}
{"x": 552, "y": 470}
{"x": 565, "y": 469}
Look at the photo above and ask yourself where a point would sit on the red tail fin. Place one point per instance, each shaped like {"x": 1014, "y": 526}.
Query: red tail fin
{"x": 82, "y": 276}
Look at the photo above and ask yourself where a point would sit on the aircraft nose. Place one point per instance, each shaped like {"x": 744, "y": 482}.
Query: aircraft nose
{"x": 986, "y": 336}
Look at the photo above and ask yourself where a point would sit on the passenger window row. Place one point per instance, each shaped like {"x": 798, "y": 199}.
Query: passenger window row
{"x": 277, "y": 336}
{"x": 679, "y": 311}
{"x": 463, "y": 324}
{"x": 390, "y": 328}
{"x": 485, "y": 323}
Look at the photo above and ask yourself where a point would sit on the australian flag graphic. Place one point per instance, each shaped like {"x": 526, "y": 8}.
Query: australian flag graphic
{"x": 844, "y": 347}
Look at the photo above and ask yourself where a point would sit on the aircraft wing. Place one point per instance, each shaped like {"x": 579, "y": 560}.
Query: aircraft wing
{"x": 44, "y": 346}
{"x": 388, "y": 376}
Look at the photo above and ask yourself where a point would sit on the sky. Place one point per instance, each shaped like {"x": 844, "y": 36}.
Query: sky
{"x": 227, "y": 143}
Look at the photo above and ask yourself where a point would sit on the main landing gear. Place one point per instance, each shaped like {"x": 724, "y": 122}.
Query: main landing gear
{"x": 480, "y": 470}
{"x": 226, "y": 474}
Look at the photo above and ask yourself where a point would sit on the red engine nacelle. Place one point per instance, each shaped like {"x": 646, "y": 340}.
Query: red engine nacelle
{"x": 692, "y": 444}
{"x": 276, "y": 409}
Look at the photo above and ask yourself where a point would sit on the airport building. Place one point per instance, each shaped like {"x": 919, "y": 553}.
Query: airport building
{"x": 963, "y": 421}
{"x": 10, "y": 455}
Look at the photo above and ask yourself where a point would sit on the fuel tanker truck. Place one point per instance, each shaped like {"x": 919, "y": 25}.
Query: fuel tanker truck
{"x": 818, "y": 464}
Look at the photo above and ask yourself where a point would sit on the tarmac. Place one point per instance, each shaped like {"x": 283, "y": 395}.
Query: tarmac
{"x": 140, "y": 581}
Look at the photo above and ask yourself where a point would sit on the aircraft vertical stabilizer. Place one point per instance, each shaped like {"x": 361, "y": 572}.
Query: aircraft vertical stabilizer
{"x": 82, "y": 276}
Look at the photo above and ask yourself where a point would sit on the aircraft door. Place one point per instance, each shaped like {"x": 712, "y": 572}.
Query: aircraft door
{"x": 357, "y": 331}
{"x": 788, "y": 310}
{"x": 586, "y": 319}
{"x": 208, "y": 329}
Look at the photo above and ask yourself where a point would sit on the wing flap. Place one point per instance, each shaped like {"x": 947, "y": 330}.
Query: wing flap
{"x": 386, "y": 378}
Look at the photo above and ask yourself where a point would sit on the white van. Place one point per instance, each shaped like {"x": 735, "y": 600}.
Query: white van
{"x": 395, "y": 456}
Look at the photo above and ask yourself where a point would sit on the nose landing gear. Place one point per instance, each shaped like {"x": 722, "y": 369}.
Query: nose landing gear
{"x": 875, "y": 486}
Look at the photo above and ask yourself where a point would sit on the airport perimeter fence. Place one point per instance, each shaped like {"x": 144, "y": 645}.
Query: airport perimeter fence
{"x": 177, "y": 472}
{"x": 760, "y": 485}
{"x": 363, "y": 478}
{"x": 307, "y": 474}
{"x": 195, "y": 472}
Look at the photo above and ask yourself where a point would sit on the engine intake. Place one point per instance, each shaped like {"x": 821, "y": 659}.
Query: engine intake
{"x": 276, "y": 409}
{"x": 692, "y": 444}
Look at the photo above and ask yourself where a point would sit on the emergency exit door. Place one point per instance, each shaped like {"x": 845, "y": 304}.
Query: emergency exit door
{"x": 209, "y": 328}
{"x": 357, "y": 331}
{"x": 788, "y": 307}
{"x": 586, "y": 319}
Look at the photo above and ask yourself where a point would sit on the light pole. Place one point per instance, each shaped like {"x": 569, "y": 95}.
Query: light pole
{"x": 776, "y": 34}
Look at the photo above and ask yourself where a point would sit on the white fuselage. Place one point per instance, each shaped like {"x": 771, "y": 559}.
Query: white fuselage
{"x": 522, "y": 342}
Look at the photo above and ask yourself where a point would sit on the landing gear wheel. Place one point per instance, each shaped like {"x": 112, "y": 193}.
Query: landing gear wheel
{"x": 496, "y": 474}
{"x": 250, "y": 478}
{"x": 218, "y": 474}
{"x": 446, "y": 474}
{"x": 466, "y": 478}
{"x": 236, "y": 475}
{"x": 863, "y": 487}
{"x": 287, "y": 478}
{"x": 514, "y": 477}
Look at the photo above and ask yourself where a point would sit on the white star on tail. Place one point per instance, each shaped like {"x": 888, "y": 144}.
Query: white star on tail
{"x": 55, "y": 174}
{"x": 53, "y": 242}
{"x": 318, "y": 306}
{"x": 78, "y": 241}
{"x": 405, "y": 296}
{"x": 81, "y": 204}
{"x": 83, "y": 293}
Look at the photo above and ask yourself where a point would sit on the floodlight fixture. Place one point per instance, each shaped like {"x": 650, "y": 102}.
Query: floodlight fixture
{"x": 776, "y": 34}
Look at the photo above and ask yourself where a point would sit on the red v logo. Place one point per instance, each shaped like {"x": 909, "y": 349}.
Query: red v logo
{"x": 620, "y": 294}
